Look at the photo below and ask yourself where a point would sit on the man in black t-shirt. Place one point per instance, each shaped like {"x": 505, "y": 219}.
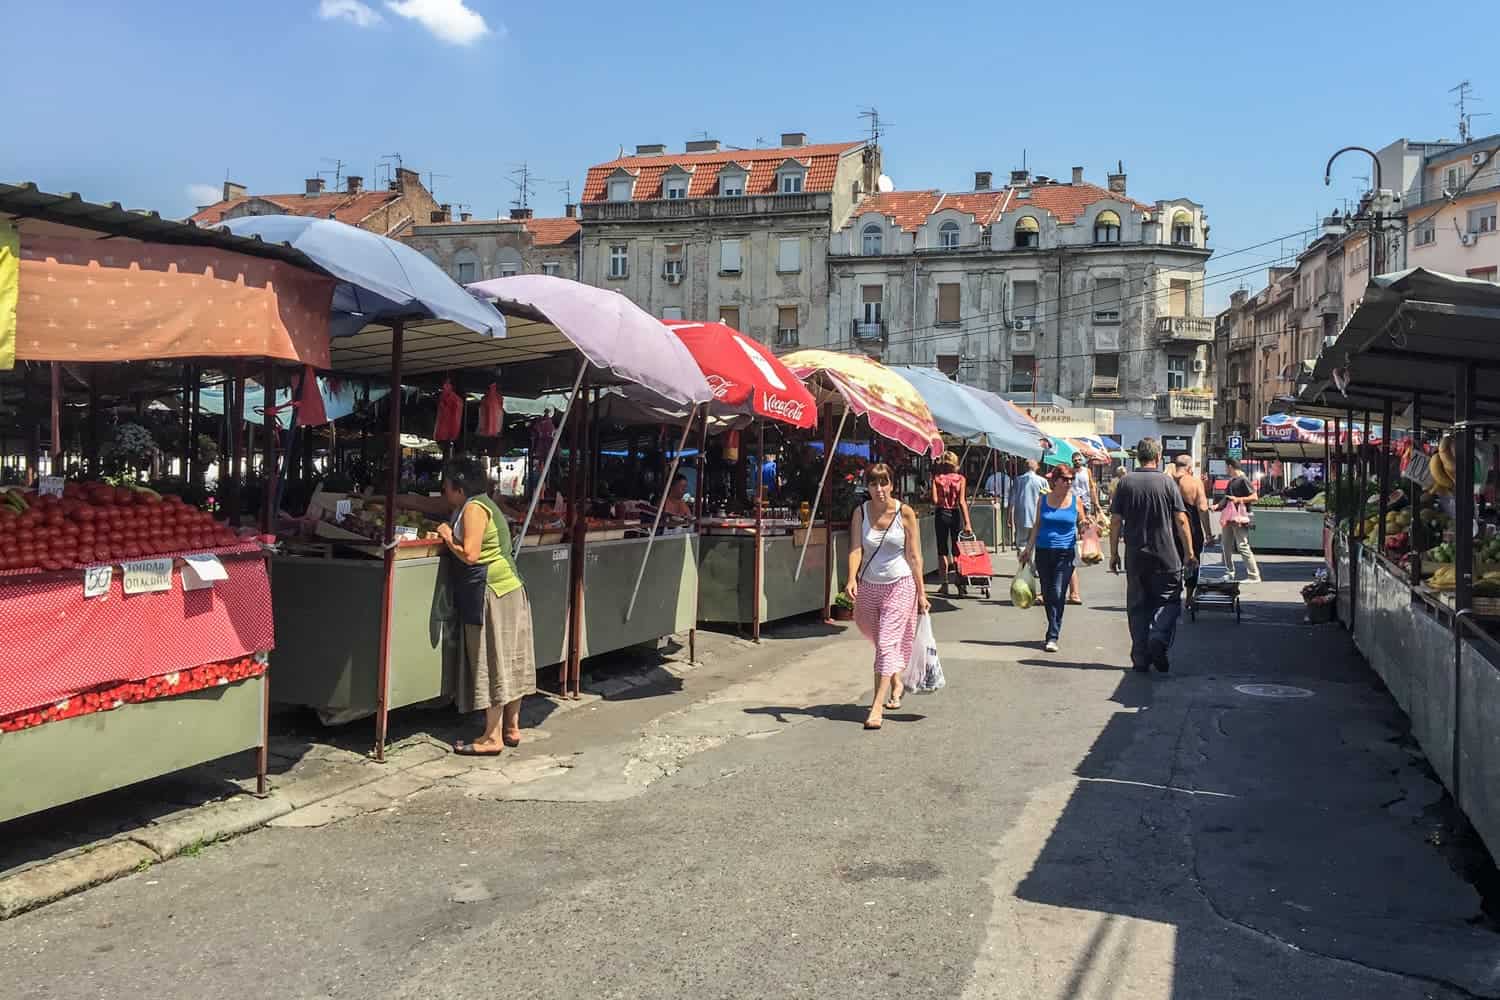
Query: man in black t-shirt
{"x": 1149, "y": 516}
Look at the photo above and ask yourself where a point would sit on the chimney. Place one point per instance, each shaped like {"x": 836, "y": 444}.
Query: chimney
{"x": 407, "y": 179}
{"x": 465, "y": 216}
{"x": 521, "y": 213}
{"x": 982, "y": 180}
{"x": 1020, "y": 178}
{"x": 1077, "y": 175}
{"x": 314, "y": 185}
{"x": 1117, "y": 179}
{"x": 651, "y": 149}
{"x": 1041, "y": 180}
{"x": 356, "y": 184}
{"x": 570, "y": 211}
{"x": 233, "y": 190}
{"x": 443, "y": 213}
{"x": 703, "y": 146}
{"x": 794, "y": 138}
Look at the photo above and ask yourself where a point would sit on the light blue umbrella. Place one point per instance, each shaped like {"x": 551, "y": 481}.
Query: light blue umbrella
{"x": 380, "y": 280}
{"x": 338, "y": 402}
{"x": 962, "y": 412}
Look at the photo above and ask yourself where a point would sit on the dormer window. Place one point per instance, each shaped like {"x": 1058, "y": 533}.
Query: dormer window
{"x": 1182, "y": 228}
{"x": 620, "y": 188}
{"x": 791, "y": 183}
{"x": 789, "y": 177}
{"x": 1107, "y": 227}
{"x": 870, "y": 244}
{"x": 732, "y": 181}
{"x": 948, "y": 235}
{"x": 675, "y": 188}
{"x": 1028, "y": 234}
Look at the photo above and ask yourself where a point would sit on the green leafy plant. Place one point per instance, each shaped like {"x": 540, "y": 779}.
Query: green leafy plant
{"x": 843, "y": 601}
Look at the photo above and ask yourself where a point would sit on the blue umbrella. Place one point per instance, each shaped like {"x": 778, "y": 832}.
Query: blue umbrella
{"x": 963, "y": 412}
{"x": 380, "y": 279}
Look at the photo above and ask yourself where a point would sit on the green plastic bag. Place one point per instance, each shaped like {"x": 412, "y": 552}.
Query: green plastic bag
{"x": 1023, "y": 587}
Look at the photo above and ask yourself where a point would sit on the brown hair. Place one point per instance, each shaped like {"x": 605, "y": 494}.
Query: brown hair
{"x": 878, "y": 473}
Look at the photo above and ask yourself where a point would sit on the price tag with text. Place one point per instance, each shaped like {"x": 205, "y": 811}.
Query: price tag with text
{"x": 50, "y": 486}
{"x": 200, "y": 571}
{"x": 341, "y": 510}
{"x": 147, "y": 576}
{"x": 403, "y": 533}
{"x": 96, "y": 580}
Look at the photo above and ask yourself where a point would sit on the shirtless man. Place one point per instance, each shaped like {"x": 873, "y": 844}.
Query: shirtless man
{"x": 1195, "y": 499}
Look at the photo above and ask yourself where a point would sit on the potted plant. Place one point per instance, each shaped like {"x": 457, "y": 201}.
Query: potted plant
{"x": 843, "y": 608}
{"x": 1319, "y": 596}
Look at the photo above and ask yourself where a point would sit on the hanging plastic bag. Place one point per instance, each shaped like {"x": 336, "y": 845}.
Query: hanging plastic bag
{"x": 1088, "y": 545}
{"x": 310, "y": 409}
{"x": 450, "y": 415}
{"x": 491, "y": 413}
{"x": 1023, "y": 587}
{"x": 924, "y": 671}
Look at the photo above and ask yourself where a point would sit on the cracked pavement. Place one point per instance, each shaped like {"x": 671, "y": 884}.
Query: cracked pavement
{"x": 1049, "y": 826}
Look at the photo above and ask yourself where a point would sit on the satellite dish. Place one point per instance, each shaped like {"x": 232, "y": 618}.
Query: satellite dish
{"x": 884, "y": 183}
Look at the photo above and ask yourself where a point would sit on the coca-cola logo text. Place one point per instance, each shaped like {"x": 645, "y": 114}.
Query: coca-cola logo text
{"x": 790, "y": 409}
{"x": 719, "y": 385}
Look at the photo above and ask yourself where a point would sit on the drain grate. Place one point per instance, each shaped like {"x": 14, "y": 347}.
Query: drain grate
{"x": 1273, "y": 691}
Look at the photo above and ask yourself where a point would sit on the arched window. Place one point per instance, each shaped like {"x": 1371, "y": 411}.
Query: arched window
{"x": 871, "y": 242}
{"x": 1028, "y": 233}
{"x": 466, "y": 266}
{"x": 1107, "y": 227}
{"x": 948, "y": 235}
{"x": 1182, "y": 227}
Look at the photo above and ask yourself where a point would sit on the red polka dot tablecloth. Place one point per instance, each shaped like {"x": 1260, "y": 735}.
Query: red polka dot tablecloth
{"x": 54, "y": 643}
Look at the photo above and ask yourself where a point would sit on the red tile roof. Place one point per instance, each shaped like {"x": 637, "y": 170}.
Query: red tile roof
{"x": 345, "y": 207}
{"x": 984, "y": 206}
{"x": 909, "y": 209}
{"x": 551, "y": 232}
{"x": 1066, "y": 202}
{"x": 821, "y": 162}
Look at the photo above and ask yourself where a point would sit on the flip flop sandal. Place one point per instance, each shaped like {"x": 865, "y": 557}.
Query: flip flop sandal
{"x": 467, "y": 750}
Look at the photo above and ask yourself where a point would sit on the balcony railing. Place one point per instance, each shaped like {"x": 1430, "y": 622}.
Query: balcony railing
{"x": 1183, "y": 406}
{"x": 859, "y": 330}
{"x": 1419, "y": 194}
{"x": 694, "y": 208}
{"x": 1198, "y": 329}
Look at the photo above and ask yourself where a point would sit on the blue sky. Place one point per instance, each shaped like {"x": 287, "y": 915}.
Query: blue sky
{"x": 1237, "y": 107}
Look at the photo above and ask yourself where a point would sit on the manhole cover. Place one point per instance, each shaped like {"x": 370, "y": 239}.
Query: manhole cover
{"x": 1273, "y": 691}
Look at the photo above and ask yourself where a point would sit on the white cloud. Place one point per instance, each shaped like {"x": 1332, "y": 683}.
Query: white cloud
{"x": 204, "y": 194}
{"x": 450, "y": 20}
{"x": 356, "y": 13}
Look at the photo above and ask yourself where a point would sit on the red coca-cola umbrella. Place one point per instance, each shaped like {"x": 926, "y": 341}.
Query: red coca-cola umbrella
{"x": 744, "y": 376}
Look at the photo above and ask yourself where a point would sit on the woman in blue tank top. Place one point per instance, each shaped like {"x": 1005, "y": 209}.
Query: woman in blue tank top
{"x": 1054, "y": 535}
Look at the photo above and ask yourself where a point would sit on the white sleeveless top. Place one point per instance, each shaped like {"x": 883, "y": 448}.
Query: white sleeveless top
{"x": 884, "y": 563}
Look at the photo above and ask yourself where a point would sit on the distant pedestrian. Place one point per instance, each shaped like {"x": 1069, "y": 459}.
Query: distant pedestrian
{"x": 1151, "y": 520}
{"x": 1087, "y": 492}
{"x": 1234, "y": 522}
{"x": 950, "y": 510}
{"x": 1051, "y": 547}
{"x": 885, "y": 583}
{"x": 1024, "y": 493}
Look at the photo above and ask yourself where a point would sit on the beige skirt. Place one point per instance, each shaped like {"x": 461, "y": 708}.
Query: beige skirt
{"x": 499, "y": 656}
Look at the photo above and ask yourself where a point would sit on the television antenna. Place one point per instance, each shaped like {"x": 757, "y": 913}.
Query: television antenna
{"x": 432, "y": 181}
{"x": 390, "y": 172}
{"x": 876, "y": 126}
{"x": 1465, "y": 116}
{"x": 337, "y": 171}
{"x": 524, "y": 182}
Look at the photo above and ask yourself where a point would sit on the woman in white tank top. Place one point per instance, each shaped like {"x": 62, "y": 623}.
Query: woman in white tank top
{"x": 885, "y": 583}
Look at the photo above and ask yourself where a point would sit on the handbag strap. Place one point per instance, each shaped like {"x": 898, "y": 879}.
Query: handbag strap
{"x": 864, "y": 564}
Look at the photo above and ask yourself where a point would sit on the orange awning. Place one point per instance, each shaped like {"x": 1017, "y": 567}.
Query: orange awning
{"x": 123, "y": 300}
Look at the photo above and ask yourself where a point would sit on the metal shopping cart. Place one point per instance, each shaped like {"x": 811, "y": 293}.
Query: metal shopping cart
{"x": 1217, "y": 589}
{"x": 974, "y": 563}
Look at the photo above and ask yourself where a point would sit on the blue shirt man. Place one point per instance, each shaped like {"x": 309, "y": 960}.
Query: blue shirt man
{"x": 1024, "y": 496}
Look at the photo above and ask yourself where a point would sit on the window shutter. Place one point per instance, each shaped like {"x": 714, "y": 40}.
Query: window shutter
{"x": 786, "y": 318}
{"x": 1107, "y": 299}
{"x": 672, "y": 312}
{"x": 872, "y": 293}
{"x": 948, "y": 303}
{"x": 729, "y": 255}
{"x": 730, "y": 316}
{"x": 790, "y": 254}
{"x": 1177, "y": 305}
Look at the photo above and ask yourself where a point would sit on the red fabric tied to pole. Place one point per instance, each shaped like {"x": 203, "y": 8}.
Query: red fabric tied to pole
{"x": 450, "y": 415}
{"x": 491, "y": 413}
{"x": 732, "y": 446}
{"x": 310, "y": 411}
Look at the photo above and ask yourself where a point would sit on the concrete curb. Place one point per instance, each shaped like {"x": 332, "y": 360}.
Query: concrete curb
{"x": 186, "y": 833}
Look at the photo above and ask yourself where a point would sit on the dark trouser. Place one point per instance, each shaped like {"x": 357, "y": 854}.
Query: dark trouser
{"x": 1055, "y": 567}
{"x": 1153, "y": 600}
{"x": 946, "y": 524}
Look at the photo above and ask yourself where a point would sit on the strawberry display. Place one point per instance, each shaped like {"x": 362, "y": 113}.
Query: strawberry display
{"x": 95, "y": 523}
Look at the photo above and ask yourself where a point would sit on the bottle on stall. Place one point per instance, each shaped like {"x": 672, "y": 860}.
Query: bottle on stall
{"x": 804, "y": 513}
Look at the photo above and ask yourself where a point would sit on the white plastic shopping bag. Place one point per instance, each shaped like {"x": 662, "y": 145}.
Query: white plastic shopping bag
{"x": 924, "y": 671}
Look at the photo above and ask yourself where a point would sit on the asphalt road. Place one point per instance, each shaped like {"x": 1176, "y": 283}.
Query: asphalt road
{"x": 1047, "y": 826}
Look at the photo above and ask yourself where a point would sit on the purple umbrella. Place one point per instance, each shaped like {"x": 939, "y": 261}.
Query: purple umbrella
{"x": 610, "y": 330}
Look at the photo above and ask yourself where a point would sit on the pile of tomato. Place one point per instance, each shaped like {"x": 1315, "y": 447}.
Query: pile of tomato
{"x": 95, "y": 523}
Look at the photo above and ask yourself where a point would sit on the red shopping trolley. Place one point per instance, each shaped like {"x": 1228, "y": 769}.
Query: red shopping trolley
{"x": 974, "y": 563}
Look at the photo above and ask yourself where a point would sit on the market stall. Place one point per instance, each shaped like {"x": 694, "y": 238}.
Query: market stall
{"x": 1290, "y": 520}
{"x": 137, "y": 627}
{"x": 1421, "y": 592}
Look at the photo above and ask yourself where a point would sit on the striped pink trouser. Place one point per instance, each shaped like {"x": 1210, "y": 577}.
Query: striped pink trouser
{"x": 887, "y": 614}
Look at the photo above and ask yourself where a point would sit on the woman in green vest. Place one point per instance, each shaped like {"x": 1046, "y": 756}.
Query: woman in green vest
{"x": 499, "y": 667}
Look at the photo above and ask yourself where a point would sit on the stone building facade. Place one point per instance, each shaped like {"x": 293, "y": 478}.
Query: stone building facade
{"x": 390, "y": 212}
{"x": 472, "y": 249}
{"x": 1046, "y": 286}
{"x": 737, "y": 235}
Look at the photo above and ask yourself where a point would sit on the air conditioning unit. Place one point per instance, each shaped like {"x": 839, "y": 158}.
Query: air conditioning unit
{"x": 1477, "y": 158}
{"x": 672, "y": 277}
{"x": 1467, "y": 239}
{"x": 1021, "y": 323}
{"x": 1200, "y": 366}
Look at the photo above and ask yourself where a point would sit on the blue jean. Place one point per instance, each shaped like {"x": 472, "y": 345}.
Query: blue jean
{"x": 1055, "y": 568}
{"x": 1153, "y": 601}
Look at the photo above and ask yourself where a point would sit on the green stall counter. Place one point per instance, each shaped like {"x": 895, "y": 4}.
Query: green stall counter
{"x": 664, "y": 604}
{"x": 726, "y": 576}
{"x": 71, "y": 759}
{"x": 985, "y": 517}
{"x": 1287, "y": 529}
